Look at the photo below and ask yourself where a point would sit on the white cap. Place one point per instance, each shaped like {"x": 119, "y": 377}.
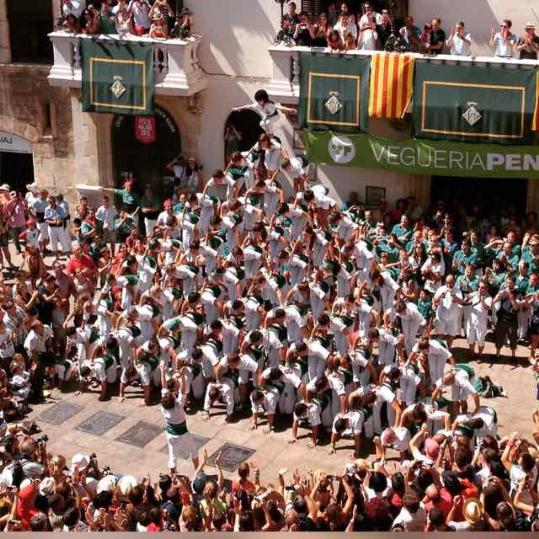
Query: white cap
{"x": 47, "y": 485}
{"x": 107, "y": 484}
{"x": 79, "y": 461}
{"x": 126, "y": 484}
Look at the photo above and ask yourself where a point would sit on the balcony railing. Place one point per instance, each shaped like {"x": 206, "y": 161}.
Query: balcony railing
{"x": 284, "y": 84}
{"x": 175, "y": 63}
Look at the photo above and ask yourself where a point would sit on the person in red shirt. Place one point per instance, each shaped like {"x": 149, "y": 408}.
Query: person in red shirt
{"x": 438, "y": 497}
{"x": 26, "y": 508}
{"x": 80, "y": 261}
{"x": 242, "y": 482}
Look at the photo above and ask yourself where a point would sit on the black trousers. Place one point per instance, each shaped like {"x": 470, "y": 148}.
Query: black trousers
{"x": 506, "y": 328}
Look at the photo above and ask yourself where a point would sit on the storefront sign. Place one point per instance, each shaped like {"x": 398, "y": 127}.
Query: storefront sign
{"x": 13, "y": 143}
{"x": 432, "y": 158}
{"x": 145, "y": 129}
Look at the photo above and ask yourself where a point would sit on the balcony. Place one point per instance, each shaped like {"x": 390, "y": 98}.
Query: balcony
{"x": 175, "y": 62}
{"x": 284, "y": 84}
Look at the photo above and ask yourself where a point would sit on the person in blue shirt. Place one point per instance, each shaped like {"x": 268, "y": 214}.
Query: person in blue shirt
{"x": 54, "y": 217}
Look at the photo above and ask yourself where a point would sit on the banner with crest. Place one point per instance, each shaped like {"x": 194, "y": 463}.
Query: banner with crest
{"x": 117, "y": 76}
{"x": 473, "y": 103}
{"x": 334, "y": 92}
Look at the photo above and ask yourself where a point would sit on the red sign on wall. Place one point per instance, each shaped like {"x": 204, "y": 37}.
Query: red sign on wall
{"x": 145, "y": 130}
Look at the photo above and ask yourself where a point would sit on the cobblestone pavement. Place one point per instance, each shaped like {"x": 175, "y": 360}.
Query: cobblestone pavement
{"x": 129, "y": 437}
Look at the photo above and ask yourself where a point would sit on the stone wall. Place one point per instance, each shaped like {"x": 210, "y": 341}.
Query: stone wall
{"x": 32, "y": 109}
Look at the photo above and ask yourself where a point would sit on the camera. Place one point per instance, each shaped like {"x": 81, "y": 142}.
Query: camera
{"x": 41, "y": 440}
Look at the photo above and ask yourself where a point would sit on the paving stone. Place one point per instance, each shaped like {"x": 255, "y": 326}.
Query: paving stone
{"x": 231, "y": 456}
{"x": 200, "y": 441}
{"x": 100, "y": 422}
{"x": 140, "y": 434}
{"x": 60, "y": 412}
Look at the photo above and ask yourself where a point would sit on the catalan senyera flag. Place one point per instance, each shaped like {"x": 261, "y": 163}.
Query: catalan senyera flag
{"x": 535, "y": 122}
{"x": 392, "y": 77}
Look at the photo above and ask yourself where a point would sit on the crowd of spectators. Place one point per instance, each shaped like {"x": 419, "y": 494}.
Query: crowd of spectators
{"x": 154, "y": 19}
{"x": 340, "y": 30}
{"x": 254, "y": 294}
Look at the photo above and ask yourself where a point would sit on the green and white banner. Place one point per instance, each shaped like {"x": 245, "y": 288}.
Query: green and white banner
{"x": 117, "y": 77}
{"x": 474, "y": 103}
{"x": 334, "y": 92}
{"x": 431, "y": 158}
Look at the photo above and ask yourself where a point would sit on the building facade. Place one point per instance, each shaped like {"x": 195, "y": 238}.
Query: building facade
{"x": 45, "y": 136}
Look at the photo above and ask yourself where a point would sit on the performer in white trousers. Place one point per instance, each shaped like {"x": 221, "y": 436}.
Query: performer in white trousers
{"x": 177, "y": 435}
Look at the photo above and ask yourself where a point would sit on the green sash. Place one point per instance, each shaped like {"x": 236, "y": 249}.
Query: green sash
{"x": 176, "y": 429}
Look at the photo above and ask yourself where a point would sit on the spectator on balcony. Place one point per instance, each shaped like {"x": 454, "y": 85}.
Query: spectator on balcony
{"x": 122, "y": 21}
{"x": 368, "y": 12}
{"x": 106, "y": 20}
{"x": 71, "y": 24}
{"x": 503, "y": 41}
{"x": 334, "y": 41}
{"x": 159, "y": 16}
{"x": 304, "y": 33}
{"x": 386, "y": 29}
{"x": 90, "y": 21}
{"x": 411, "y": 35}
{"x": 528, "y": 44}
{"x": 140, "y": 10}
{"x": 291, "y": 17}
{"x": 459, "y": 42}
{"x": 350, "y": 42}
{"x": 73, "y": 7}
{"x": 321, "y": 29}
{"x": 435, "y": 39}
{"x": 182, "y": 26}
{"x": 120, "y": 4}
{"x": 345, "y": 25}
{"x": 368, "y": 36}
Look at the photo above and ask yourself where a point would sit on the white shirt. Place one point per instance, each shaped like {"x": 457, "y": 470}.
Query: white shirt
{"x": 459, "y": 47}
{"x": 140, "y": 12}
{"x": 365, "y": 19}
{"x": 75, "y": 7}
{"x": 411, "y": 522}
{"x": 106, "y": 216}
{"x": 351, "y": 28}
{"x": 354, "y": 425}
{"x": 175, "y": 415}
{"x": 504, "y": 49}
{"x": 35, "y": 342}
{"x": 367, "y": 40}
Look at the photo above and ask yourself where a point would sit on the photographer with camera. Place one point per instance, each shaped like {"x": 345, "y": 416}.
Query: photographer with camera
{"x": 460, "y": 41}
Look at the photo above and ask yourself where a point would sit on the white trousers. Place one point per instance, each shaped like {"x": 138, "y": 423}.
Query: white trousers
{"x": 177, "y": 445}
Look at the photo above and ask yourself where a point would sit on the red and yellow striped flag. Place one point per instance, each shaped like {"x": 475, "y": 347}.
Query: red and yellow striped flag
{"x": 535, "y": 123}
{"x": 391, "y": 87}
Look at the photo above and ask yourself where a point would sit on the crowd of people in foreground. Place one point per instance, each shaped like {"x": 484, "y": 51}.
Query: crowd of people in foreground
{"x": 341, "y": 28}
{"x": 231, "y": 298}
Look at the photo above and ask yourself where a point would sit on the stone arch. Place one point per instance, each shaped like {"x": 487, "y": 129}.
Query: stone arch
{"x": 22, "y": 129}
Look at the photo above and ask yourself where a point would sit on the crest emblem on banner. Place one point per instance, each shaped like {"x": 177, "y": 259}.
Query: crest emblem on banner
{"x": 333, "y": 104}
{"x": 145, "y": 129}
{"x": 471, "y": 114}
{"x": 341, "y": 149}
{"x": 117, "y": 88}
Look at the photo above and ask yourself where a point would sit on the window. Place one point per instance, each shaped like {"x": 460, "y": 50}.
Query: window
{"x": 29, "y": 24}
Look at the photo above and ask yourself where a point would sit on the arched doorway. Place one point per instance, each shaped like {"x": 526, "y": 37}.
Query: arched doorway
{"x": 143, "y": 146}
{"x": 16, "y": 161}
{"x": 242, "y": 130}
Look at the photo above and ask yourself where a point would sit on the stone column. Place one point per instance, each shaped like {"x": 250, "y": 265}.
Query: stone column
{"x": 85, "y": 143}
{"x": 5, "y": 48}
